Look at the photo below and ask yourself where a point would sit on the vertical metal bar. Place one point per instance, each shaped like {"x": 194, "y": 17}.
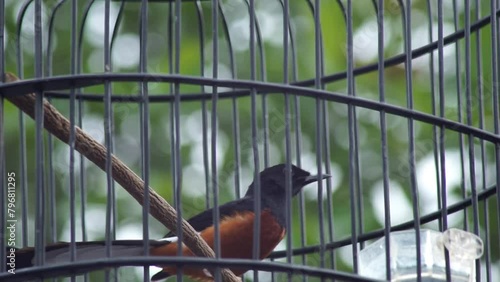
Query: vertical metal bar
{"x": 319, "y": 156}
{"x": 265, "y": 121}
{"x": 288, "y": 151}
{"x": 265, "y": 129}
{"x": 458, "y": 79}
{"x": 288, "y": 183}
{"x": 204, "y": 123}
{"x": 51, "y": 188}
{"x": 177, "y": 125}
{"x": 357, "y": 171}
{"x": 82, "y": 182}
{"x": 71, "y": 143}
{"x": 353, "y": 137}
{"x": 442, "y": 131}
{"x": 174, "y": 121}
{"x": 19, "y": 53}
{"x": 225, "y": 30}
{"x": 436, "y": 135}
{"x": 494, "y": 87}
{"x": 256, "y": 39}
{"x": 79, "y": 68}
{"x": 255, "y": 146}
{"x": 329, "y": 192}
{"x": 116, "y": 27}
{"x": 383, "y": 133}
{"x": 206, "y": 165}
{"x": 434, "y": 97}
{"x": 298, "y": 145}
{"x": 406, "y": 13}
{"x": 237, "y": 150}
{"x": 468, "y": 100}
{"x": 22, "y": 131}
{"x": 23, "y": 167}
{"x": 352, "y": 143}
{"x": 214, "y": 127}
{"x": 24, "y": 179}
{"x": 318, "y": 51}
{"x": 484, "y": 157}
{"x": 325, "y": 139}
{"x": 170, "y": 48}
{"x": 50, "y": 40}
{"x": 40, "y": 189}
{"x": 144, "y": 129}
{"x": 108, "y": 136}
{"x": 235, "y": 119}
{"x": 301, "y": 198}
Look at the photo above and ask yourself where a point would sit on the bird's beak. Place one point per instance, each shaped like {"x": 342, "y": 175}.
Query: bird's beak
{"x": 314, "y": 178}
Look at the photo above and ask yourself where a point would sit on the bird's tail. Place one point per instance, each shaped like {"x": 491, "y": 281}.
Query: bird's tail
{"x": 61, "y": 252}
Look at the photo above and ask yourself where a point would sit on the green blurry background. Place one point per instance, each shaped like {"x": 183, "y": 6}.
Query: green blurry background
{"x": 126, "y": 115}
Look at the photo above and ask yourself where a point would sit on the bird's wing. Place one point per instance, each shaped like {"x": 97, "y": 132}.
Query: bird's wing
{"x": 205, "y": 219}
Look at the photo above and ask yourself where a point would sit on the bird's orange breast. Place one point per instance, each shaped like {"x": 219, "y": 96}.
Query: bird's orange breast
{"x": 236, "y": 237}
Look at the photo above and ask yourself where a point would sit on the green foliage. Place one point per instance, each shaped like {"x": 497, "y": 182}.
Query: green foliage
{"x": 126, "y": 129}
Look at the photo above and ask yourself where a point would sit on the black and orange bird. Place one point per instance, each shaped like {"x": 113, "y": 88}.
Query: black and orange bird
{"x": 236, "y": 223}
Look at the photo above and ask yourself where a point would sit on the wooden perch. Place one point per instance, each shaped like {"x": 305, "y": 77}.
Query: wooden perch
{"x": 59, "y": 126}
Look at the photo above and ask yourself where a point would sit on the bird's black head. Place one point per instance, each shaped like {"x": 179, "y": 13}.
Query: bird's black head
{"x": 273, "y": 181}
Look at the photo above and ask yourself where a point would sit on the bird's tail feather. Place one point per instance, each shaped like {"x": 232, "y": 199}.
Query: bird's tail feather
{"x": 61, "y": 253}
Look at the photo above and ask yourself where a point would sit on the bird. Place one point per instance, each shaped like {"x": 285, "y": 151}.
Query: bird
{"x": 236, "y": 225}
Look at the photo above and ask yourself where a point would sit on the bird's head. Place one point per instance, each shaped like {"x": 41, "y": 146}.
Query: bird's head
{"x": 273, "y": 181}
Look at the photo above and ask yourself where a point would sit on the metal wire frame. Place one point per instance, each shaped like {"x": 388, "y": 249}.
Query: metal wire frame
{"x": 255, "y": 88}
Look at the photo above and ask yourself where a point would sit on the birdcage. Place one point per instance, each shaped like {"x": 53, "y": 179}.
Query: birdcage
{"x": 398, "y": 101}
